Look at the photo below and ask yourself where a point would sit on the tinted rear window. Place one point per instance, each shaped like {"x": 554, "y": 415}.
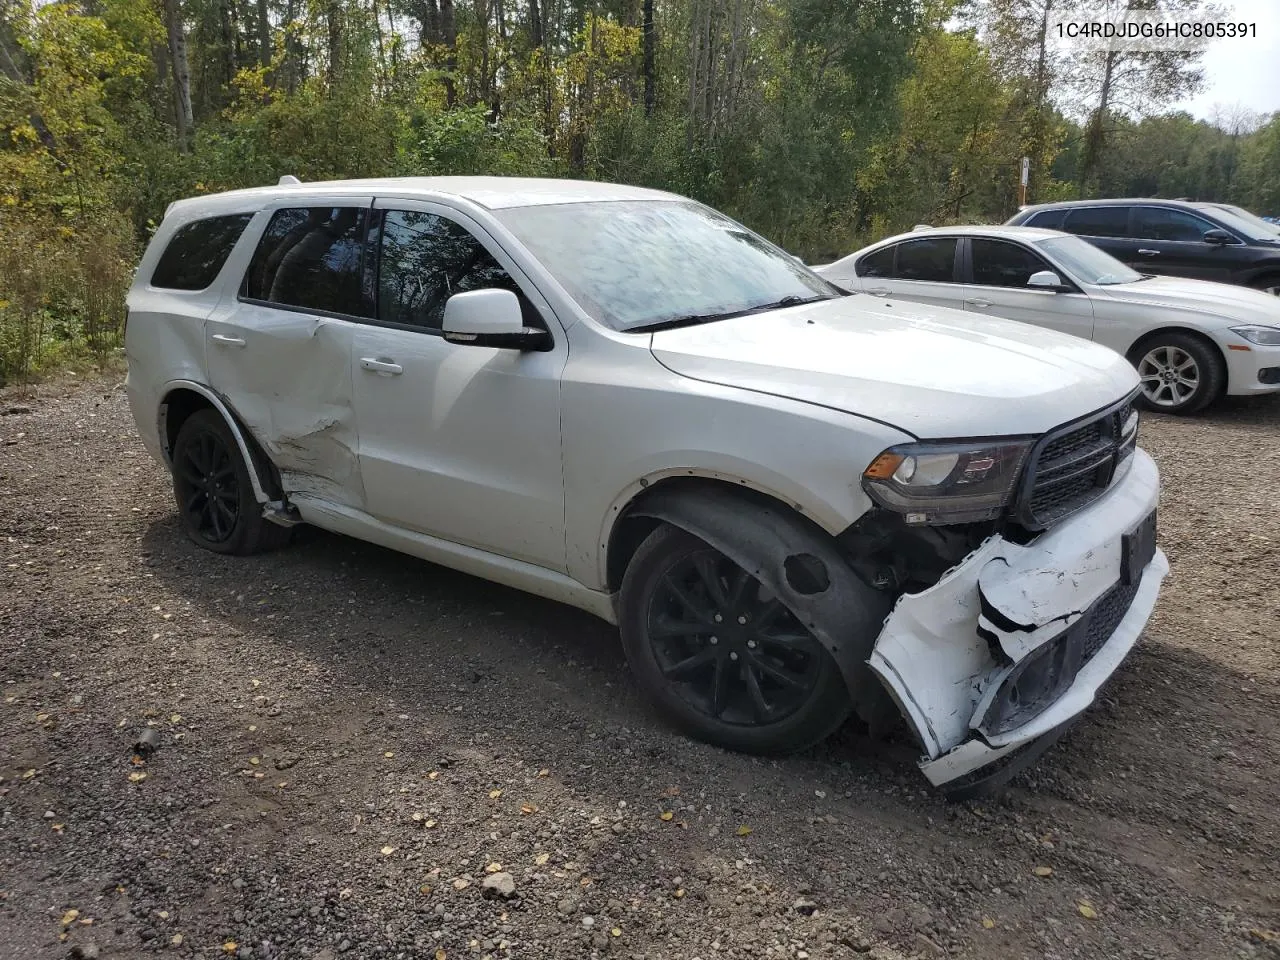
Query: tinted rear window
{"x": 1099, "y": 221}
{"x": 927, "y": 260}
{"x": 878, "y": 264}
{"x": 197, "y": 252}
{"x": 312, "y": 257}
{"x": 1048, "y": 219}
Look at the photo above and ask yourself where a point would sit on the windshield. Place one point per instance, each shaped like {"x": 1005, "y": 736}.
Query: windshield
{"x": 638, "y": 263}
{"x": 1245, "y": 222}
{"x": 1087, "y": 263}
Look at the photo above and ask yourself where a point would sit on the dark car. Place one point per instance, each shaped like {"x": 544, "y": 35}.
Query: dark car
{"x": 1209, "y": 241}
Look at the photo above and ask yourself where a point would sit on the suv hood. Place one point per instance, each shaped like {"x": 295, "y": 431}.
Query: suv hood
{"x": 931, "y": 371}
{"x": 1229, "y": 303}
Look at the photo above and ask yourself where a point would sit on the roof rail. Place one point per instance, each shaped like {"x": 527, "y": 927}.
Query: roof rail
{"x": 288, "y": 180}
{"x": 922, "y": 226}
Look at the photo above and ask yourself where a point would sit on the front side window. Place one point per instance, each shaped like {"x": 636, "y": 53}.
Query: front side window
{"x": 927, "y": 260}
{"x": 634, "y": 264}
{"x": 997, "y": 263}
{"x": 424, "y": 260}
{"x": 197, "y": 251}
{"x": 1098, "y": 221}
{"x": 311, "y": 257}
{"x": 1165, "y": 223}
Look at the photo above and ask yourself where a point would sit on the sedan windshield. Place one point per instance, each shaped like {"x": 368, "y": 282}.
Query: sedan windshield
{"x": 640, "y": 264}
{"x": 1086, "y": 262}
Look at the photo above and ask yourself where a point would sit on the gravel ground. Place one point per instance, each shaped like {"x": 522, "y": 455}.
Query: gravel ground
{"x": 363, "y": 755}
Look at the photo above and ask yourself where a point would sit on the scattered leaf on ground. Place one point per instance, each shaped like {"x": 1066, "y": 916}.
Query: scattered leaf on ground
{"x": 137, "y": 776}
{"x": 425, "y": 889}
{"x": 1087, "y": 911}
{"x": 528, "y": 808}
{"x": 70, "y": 916}
{"x": 1043, "y": 871}
{"x": 388, "y": 851}
{"x": 744, "y": 831}
{"x": 680, "y": 893}
{"x": 544, "y": 772}
{"x": 461, "y": 884}
{"x": 666, "y": 815}
{"x": 440, "y": 955}
{"x": 541, "y": 859}
{"x": 429, "y": 824}
{"x": 432, "y": 776}
{"x": 616, "y": 931}
{"x": 389, "y": 754}
{"x": 254, "y": 761}
{"x": 494, "y": 794}
{"x": 230, "y": 947}
{"x": 988, "y": 923}
{"x": 176, "y": 940}
{"x": 493, "y": 868}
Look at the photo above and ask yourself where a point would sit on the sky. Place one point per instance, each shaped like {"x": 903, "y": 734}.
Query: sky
{"x": 1243, "y": 72}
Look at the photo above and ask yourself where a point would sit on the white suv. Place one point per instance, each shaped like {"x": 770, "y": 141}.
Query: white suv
{"x": 795, "y": 503}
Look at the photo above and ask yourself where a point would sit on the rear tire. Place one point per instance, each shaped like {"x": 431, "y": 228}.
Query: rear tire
{"x": 1180, "y": 374}
{"x": 720, "y": 657}
{"x": 216, "y": 505}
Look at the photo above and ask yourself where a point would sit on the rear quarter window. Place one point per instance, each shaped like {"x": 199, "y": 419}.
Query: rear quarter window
{"x": 197, "y": 251}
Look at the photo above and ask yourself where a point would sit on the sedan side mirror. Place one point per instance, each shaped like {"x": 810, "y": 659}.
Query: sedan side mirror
{"x": 1217, "y": 236}
{"x": 490, "y": 318}
{"x": 1046, "y": 280}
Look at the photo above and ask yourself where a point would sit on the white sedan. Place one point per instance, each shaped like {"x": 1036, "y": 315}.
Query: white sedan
{"x": 1191, "y": 340}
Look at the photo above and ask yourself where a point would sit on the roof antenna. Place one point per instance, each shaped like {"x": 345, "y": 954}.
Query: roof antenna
{"x": 288, "y": 180}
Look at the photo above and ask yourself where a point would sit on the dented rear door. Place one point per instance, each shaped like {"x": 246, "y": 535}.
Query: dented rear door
{"x": 279, "y": 347}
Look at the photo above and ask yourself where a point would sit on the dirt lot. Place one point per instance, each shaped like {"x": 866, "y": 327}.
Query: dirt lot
{"x": 351, "y": 739}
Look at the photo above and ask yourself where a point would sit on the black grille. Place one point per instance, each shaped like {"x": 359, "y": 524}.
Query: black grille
{"x": 1105, "y": 615}
{"x": 1073, "y": 466}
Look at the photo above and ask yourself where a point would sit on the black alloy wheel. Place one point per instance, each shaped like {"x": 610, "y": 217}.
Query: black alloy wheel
{"x": 216, "y": 503}
{"x": 721, "y": 655}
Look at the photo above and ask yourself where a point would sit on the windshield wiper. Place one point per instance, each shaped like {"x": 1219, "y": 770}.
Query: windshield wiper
{"x": 694, "y": 319}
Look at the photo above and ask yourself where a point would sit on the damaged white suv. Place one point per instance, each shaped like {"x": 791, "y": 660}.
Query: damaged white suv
{"x": 796, "y": 503}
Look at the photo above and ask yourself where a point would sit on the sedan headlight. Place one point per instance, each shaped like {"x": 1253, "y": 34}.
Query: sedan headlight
{"x": 1263, "y": 336}
{"x": 941, "y": 483}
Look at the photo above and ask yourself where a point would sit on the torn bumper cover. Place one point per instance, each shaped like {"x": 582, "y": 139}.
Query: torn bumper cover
{"x": 1015, "y": 641}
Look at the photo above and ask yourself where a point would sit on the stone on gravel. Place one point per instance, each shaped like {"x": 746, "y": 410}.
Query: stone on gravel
{"x": 500, "y": 884}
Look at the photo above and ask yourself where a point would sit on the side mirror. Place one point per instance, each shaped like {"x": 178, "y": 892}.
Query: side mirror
{"x": 1046, "y": 280}
{"x": 1217, "y": 236}
{"x": 490, "y": 318}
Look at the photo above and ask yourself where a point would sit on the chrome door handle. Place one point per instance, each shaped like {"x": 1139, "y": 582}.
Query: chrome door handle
{"x": 978, "y": 303}
{"x": 1148, "y": 253}
{"x": 381, "y": 366}
{"x": 227, "y": 341}
{"x": 878, "y": 291}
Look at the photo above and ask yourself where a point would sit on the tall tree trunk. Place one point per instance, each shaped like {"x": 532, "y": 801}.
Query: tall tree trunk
{"x": 181, "y": 73}
{"x": 264, "y": 34}
{"x": 535, "y": 23}
{"x": 1095, "y": 134}
{"x": 449, "y": 37}
{"x": 228, "y": 43}
{"x": 650, "y": 62}
{"x": 382, "y": 50}
{"x": 333, "y": 20}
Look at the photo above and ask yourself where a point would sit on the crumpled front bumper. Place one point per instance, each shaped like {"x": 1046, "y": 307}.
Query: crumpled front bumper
{"x": 1056, "y": 617}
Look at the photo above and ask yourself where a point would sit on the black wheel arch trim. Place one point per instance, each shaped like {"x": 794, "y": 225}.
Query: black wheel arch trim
{"x": 261, "y": 471}
{"x": 760, "y": 535}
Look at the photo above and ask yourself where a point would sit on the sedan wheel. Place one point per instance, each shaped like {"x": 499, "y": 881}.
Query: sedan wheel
{"x": 1170, "y": 376}
{"x": 1179, "y": 373}
{"x": 725, "y": 658}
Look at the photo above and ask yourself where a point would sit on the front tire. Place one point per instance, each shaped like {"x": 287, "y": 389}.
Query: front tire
{"x": 1179, "y": 374}
{"x": 216, "y": 505}
{"x": 721, "y": 657}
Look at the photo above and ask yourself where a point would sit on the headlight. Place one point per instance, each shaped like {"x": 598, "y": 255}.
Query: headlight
{"x": 941, "y": 483}
{"x": 1263, "y": 336}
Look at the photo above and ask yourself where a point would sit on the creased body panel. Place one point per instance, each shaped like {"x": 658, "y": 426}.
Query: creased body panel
{"x": 943, "y": 658}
